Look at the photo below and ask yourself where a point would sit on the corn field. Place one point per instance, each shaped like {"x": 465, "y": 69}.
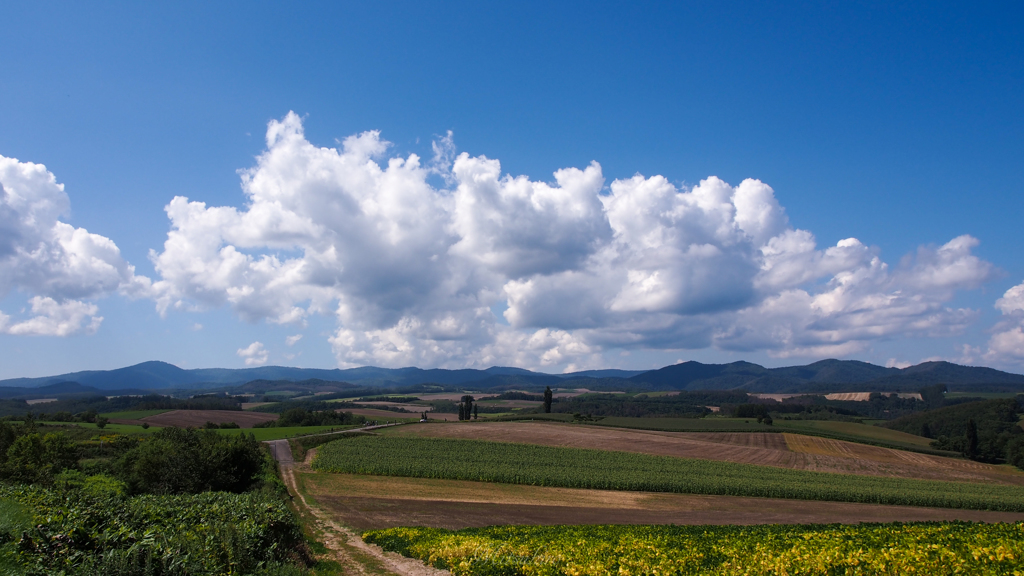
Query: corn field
{"x": 596, "y": 469}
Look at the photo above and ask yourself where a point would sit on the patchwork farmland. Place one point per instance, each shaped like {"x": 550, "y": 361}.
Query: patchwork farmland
{"x": 456, "y": 487}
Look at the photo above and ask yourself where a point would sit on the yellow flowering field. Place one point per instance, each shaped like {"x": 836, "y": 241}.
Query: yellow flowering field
{"x": 930, "y": 548}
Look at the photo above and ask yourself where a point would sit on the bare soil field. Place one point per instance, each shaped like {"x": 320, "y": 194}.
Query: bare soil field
{"x": 196, "y": 418}
{"x": 453, "y": 396}
{"x": 512, "y": 403}
{"x": 763, "y": 449}
{"x": 375, "y": 414}
{"x": 580, "y": 391}
{"x": 369, "y": 502}
{"x": 404, "y": 406}
{"x": 865, "y": 396}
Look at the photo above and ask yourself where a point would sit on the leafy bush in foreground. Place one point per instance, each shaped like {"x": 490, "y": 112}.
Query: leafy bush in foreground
{"x": 72, "y": 532}
{"x": 605, "y": 470}
{"x": 919, "y": 548}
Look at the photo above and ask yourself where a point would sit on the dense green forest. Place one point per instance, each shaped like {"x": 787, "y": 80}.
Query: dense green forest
{"x": 74, "y": 408}
{"x": 986, "y": 430}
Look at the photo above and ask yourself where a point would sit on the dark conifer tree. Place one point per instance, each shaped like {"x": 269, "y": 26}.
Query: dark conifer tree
{"x": 475, "y": 415}
{"x": 971, "y": 446}
{"x": 548, "y": 396}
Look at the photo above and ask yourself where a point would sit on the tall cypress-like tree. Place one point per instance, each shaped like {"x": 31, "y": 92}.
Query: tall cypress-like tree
{"x": 468, "y": 401}
{"x": 475, "y": 415}
{"x": 548, "y": 396}
{"x": 971, "y": 446}
{"x": 462, "y": 411}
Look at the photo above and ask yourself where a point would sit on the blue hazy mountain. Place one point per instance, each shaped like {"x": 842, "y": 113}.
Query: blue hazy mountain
{"x": 823, "y": 376}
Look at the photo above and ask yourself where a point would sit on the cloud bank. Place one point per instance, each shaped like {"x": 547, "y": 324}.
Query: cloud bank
{"x": 488, "y": 268}
{"x": 1006, "y": 346}
{"x": 59, "y": 265}
{"x": 413, "y": 273}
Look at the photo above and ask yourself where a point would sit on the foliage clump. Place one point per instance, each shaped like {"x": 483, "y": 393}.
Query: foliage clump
{"x": 916, "y": 548}
{"x": 46, "y": 531}
{"x": 188, "y": 461}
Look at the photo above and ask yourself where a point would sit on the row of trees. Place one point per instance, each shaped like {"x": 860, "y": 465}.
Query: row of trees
{"x": 302, "y": 417}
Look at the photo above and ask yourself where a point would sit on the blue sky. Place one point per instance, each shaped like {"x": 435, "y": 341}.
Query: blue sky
{"x": 899, "y": 126}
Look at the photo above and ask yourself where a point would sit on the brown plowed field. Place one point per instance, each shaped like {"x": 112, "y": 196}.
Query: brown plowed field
{"x": 374, "y": 414}
{"x": 763, "y": 449}
{"x": 453, "y": 396}
{"x": 402, "y": 405}
{"x": 370, "y": 502}
{"x": 197, "y": 418}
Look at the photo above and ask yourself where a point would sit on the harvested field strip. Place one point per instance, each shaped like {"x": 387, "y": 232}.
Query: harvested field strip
{"x": 263, "y": 434}
{"x": 197, "y": 418}
{"x": 132, "y": 414}
{"x": 926, "y": 548}
{"x": 581, "y": 468}
{"x": 864, "y": 432}
{"x": 815, "y": 445}
{"x": 373, "y": 502}
{"x": 386, "y": 415}
{"x": 786, "y": 450}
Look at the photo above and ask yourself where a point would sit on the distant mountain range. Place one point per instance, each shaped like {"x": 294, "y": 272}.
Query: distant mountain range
{"x": 820, "y": 377}
{"x": 828, "y": 376}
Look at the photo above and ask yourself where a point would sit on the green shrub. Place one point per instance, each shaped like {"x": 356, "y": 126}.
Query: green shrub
{"x": 186, "y": 461}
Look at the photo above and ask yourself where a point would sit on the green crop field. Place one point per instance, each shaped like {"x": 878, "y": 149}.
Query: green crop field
{"x": 710, "y": 424}
{"x": 919, "y": 548}
{"x": 862, "y": 432}
{"x": 985, "y": 395}
{"x": 849, "y": 431}
{"x": 133, "y": 414}
{"x": 109, "y": 428}
{"x": 605, "y": 470}
{"x": 262, "y": 434}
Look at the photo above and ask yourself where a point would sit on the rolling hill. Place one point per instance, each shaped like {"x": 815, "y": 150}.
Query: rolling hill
{"x": 819, "y": 377}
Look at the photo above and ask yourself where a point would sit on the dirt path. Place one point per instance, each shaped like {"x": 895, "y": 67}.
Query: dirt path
{"x": 346, "y": 547}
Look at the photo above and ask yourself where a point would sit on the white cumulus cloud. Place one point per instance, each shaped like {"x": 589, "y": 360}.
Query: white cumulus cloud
{"x": 59, "y": 266}
{"x": 1006, "y": 345}
{"x": 412, "y": 272}
{"x": 254, "y": 354}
